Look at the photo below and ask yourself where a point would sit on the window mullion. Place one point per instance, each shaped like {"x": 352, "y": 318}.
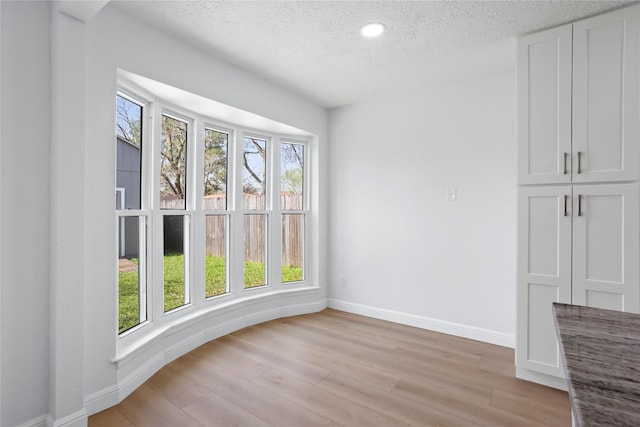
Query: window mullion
{"x": 236, "y": 272}
{"x": 157, "y": 218}
{"x": 199, "y": 239}
{"x": 142, "y": 262}
{"x": 150, "y": 132}
{"x": 275, "y": 236}
{"x": 188, "y": 264}
{"x": 306, "y": 203}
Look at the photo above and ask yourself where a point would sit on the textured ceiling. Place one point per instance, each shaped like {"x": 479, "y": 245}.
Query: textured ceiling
{"x": 314, "y": 48}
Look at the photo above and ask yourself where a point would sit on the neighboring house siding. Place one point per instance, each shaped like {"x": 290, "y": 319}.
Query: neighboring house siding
{"x": 128, "y": 173}
{"x": 128, "y": 178}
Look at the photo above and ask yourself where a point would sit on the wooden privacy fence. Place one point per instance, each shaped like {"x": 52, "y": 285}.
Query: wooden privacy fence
{"x": 292, "y": 226}
{"x": 292, "y": 239}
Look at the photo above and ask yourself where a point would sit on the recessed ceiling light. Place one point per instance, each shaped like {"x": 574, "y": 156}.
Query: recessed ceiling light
{"x": 373, "y": 29}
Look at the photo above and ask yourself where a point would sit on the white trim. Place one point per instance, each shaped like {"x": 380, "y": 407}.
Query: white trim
{"x": 187, "y": 252}
{"x": 145, "y": 371}
{"x": 41, "y": 421}
{"x": 131, "y": 350}
{"x": 120, "y": 192}
{"x": 143, "y": 301}
{"x": 539, "y": 378}
{"x": 83, "y": 11}
{"x": 77, "y": 419}
{"x": 102, "y": 399}
{"x": 437, "y": 325}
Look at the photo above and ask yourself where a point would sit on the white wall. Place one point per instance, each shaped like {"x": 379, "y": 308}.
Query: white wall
{"x": 24, "y": 173}
{"x": 41, "y": 317}
{"x": 406, "y": 252}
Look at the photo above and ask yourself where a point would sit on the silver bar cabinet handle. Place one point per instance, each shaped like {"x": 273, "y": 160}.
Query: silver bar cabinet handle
{"x": 579, "y": 161}
{"x": 565, "y": 155}
{"x": 566, "y": 198}
{"x": 579, "y": 204}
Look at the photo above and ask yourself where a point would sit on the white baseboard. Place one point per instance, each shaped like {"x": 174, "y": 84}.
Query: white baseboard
{"x": 446, "y": 327}
{"x": 544, "y": 379}
{"x": 101, "y": 400}
{"x": 77, "y": 419}
{"x": 41, "y": 421}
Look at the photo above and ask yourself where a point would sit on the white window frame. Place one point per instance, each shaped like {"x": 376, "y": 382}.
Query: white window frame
{"x": 145, "y": 262}
{"x": 187, "y": 213}
{"x": 305, "y": 211}
{"x": 267, "y": 211}
{"x": 151, "y": 214}
{"x": 229, "y": 213}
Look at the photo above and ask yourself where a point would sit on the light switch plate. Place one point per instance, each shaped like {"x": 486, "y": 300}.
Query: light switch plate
{"x": 452, "y": 194}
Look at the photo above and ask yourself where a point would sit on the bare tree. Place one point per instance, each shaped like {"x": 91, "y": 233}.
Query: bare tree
{"x": 292, "y": 164}
{"x": 128, "y": 120}
{"x": 215, "y": 162}
{"x": 173, "y": 159}
{"x": 253, "y": 183}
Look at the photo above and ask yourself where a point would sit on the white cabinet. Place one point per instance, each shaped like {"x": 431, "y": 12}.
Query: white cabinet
{"x": 579, "y": 176}
{"x": 544, "y": 274}
{"x": 606, "y": 252}
{"x": 578, "y": 93}
{"x": 577, "y": 245}
{"x": 606, "y": 73}
{"x": 544, "y": 107}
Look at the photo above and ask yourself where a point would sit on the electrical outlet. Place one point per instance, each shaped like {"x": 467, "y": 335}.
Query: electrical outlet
{"x": 343, "y": 281}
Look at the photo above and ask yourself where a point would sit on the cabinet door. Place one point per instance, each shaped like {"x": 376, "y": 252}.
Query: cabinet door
{"x": 544, "y": 274}
{"x": 606, "y": 246}
{"x": 606, "y": 74}
{"x": 544, "y": 107}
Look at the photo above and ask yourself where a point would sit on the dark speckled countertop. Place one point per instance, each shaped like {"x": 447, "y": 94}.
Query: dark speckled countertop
{"x": 601, "y": 352}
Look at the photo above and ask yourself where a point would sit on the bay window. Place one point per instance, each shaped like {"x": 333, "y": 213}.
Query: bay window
{"x": 206, "y": 211}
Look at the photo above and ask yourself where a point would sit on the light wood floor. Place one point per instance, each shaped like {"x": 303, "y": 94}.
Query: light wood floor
{"x": 338, "y": 369}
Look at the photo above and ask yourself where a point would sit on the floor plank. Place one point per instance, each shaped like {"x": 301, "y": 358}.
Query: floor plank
{"x": 336, "y": 369}
{"x": 213, "y": 409}
{"x": 109, "y": 418}
{"x": 344, "y": 411}
{"x": 146, "y": 408}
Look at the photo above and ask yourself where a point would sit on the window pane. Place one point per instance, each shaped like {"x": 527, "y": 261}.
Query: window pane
{"x": 131, "y": 284}
{"x": 292, "y": 176}
{"x": 176, "y": 293}
{"x": 292, "y": 247}
{"x": 173, "y": 161}
{"x": 215, "y": 170}
{"x": 215, "y": 265}
{"x": 254, "y": 173}
{"x": 128, "y": 153}
{"x": 255, "y": 238}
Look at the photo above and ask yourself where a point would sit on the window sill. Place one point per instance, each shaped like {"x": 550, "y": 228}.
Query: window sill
{"x": 203, "y": 324}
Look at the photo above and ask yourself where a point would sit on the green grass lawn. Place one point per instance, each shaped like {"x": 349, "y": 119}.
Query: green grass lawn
{"x": 215, "y": 284}
{"x": 173, "y": 281}
{"x": 128, "y": 300}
